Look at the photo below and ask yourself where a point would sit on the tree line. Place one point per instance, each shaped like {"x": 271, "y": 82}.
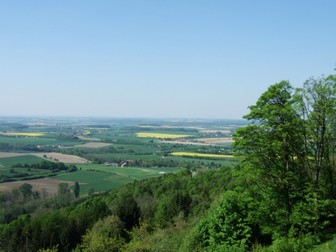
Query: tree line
{"x": 45, "y": 165}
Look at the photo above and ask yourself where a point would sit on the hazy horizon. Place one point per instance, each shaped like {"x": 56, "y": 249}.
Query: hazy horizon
{"x": 194, "y": 119}
{"x": 157, "y": 59}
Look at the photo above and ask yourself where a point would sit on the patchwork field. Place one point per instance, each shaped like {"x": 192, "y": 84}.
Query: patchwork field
{"x": 143, "y": 145}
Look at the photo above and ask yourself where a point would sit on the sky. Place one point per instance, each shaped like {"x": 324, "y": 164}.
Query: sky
{"x": 157, "y": 58}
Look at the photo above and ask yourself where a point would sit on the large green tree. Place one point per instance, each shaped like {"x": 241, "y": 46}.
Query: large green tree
{"x": 288, "y": 160}
{"x": 271, "y": 149}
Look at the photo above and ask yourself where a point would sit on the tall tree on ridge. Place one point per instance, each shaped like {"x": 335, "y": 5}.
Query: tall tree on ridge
{"x": 271, "y": 148}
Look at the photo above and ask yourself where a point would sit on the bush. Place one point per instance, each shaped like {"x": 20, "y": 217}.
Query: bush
{"x": 228, "y": 225}
{"x": 301, "y": 244}
{"x": 314, "y": 216}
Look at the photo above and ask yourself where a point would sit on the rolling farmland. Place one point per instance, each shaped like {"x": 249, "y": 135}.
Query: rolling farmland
{"x": 111, "y": 153}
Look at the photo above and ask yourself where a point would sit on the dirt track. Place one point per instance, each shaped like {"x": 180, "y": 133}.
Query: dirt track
{"x": 184, "y": 142}
{"x": 11, "y": 154}
{"x": 201, "y": 141}
{"x": 207, "y": 131}
{"x": 88, "y": 138}
{"x": 69, "y": 159}
{"x": 215, "y": 140}
{"x": 93, "y": 145}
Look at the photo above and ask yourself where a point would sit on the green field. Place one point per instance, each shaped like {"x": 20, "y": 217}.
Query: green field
{"x": 99, "y": 181}
{"x": 103, "y": 178}
{"x": 26, "y": 159}
{"x": 36, "y": 141}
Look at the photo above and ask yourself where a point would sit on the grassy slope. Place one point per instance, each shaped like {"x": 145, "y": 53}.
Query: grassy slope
{"x": 132, "y": 172}
{"x": 103, "y": 178}
{"x": 99, "y": 181}
{"x": 27, "y": 159}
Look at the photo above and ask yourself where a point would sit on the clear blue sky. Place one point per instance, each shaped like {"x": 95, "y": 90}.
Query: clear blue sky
{"x": 190, "y": 59}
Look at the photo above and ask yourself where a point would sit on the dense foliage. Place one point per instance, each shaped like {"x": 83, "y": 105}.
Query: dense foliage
{"x": 288, "y": 155}
{"x": 115, "y": 220}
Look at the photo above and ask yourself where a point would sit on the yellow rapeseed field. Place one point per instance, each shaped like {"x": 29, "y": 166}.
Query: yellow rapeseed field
{"x": 194, "y": 154}
{"x": 159, "y": 135}
{"x": 28, "y": 134}
{"x": 86, "y": 132}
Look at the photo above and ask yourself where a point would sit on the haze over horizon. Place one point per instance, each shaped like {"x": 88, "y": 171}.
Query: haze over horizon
{"x": 157, "y": 59}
